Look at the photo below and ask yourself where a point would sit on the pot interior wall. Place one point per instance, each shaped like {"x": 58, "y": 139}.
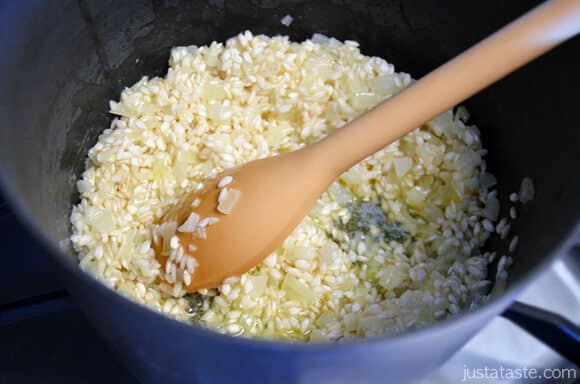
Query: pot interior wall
{"x": 62, "y": 63}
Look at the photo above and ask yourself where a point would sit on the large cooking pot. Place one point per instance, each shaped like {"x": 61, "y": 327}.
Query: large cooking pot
{"x": 60, "y": 63}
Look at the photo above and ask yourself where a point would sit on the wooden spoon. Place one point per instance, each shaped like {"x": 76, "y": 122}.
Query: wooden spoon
{"x": 276, "y": 193}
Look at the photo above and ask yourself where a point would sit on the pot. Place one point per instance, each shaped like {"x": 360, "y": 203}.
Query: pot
{"x": 63, "y": 61}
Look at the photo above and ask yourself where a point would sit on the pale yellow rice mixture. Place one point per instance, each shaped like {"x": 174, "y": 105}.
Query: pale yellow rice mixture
{"x": 256, "y": 96}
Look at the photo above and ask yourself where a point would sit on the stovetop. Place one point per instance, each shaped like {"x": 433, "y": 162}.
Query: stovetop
{"x": 45, "y": 339}
{"x": 43, "y": 336}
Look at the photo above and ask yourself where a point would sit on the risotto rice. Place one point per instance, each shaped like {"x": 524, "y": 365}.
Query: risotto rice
{"x": 340, "y": 274}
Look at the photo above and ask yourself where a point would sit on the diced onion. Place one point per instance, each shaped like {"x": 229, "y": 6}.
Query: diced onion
{"x": 301, "y": 252}
{"x": 416, "y": 196}
{"x": 384, "y": 85}
{"x": 229, "y": 201}
{"x": 365, "y": 100}
{"x": 393, "y": 276}
{"x": 402, "y": 165}
{"x": 297, "y": 290}
{"x": 213, "y": 91}
{"x": 259, "y": 284}
{"x": 328, "y": 253}
{"x": 103, "y": 222}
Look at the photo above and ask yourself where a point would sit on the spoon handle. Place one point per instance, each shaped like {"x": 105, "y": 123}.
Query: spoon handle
{"x": 519, "y": 42}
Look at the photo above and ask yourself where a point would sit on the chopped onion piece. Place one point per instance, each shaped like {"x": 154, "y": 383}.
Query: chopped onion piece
{"x": 326, "y": 318}
{"x": 393, "y": 276}
{"x": 207, "y": 221}
{"x": 275, "y": 134}
{"x": 189, "y": 224}
{"x": 199, "y": 233}
{"x": 259, "y": 284}
{"x": 328, "y": 253}
{"x": 167, "y": 230}
{"x": 297, "y": 290}
{"x": 351, "y": 321}
{"x": 365, "y": 100}
{"x": 402, "y": 165}
{"x": 222, "y": 194}
{"x": 300, "y": 252}
{"x": 213, "y": 91}
{"x": 103, "y": 222}
{"x": 227, "y": 204}
{"x": 225, "y": 181}
{"x": 353, "y": 176}
{"x": 416, "y": 196}
{"x": 384, "y": 85}
{"x": 118, "y": 109}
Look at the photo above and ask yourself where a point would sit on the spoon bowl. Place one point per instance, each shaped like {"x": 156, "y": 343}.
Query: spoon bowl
{"x": 272, "y": 203}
